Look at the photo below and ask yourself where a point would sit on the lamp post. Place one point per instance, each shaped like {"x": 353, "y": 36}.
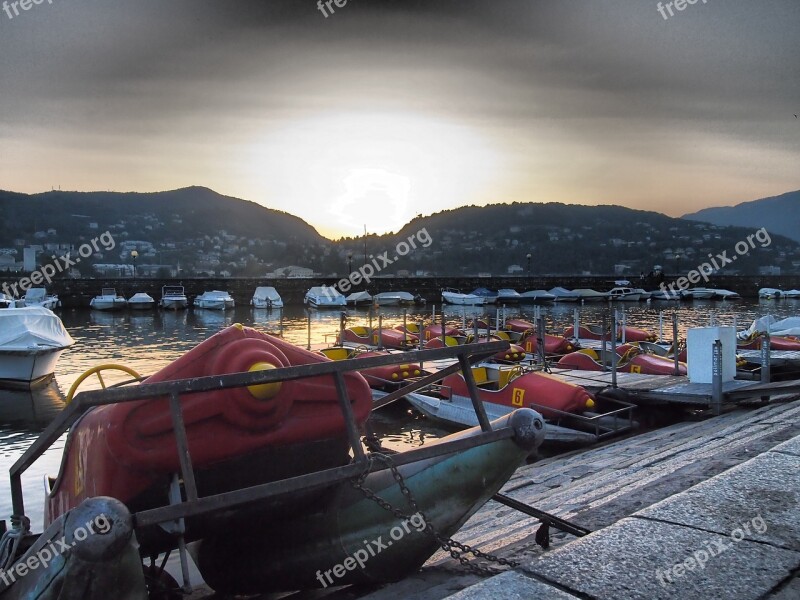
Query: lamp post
{"x": 528, "y": 256}
{"x": 349, "y": 263}
{"x": 134, "y": 255}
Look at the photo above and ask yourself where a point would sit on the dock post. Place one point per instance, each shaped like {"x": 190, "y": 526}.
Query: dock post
{"x": 370, "y": 316}
{"x": 576, "y": 323}
{"x": 661, "y": 327}
{"x": 504, "y": 316}
{"x": 540, "y": 337}
{"x": 463, "y": 318}
{"x": 475, "y": 331}
{"x": 765, "y": 361}
{"x": 603, "y": 344}
{"x": 308, "y": 342}
{"x": 716, "y": 378}
{"x": 421, "y": 342}
{"x": 496, "y": 323}
{"x": 280, "y": 325}
{"x": 675, "y": 343}
{"x": 405, "y": 327}
{"x": 614, "y": 349}
{"x": 624, "y": 323}
{"x": 380, "y": 331}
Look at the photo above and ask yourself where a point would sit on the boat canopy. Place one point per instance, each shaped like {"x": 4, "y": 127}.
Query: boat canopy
{"x": 266, "y": 293}
{"x": 35, "y": 326}
{"x": 789, "y": 326}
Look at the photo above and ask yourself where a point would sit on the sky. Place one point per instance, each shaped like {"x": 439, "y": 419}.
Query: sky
{"x": 376, "y": 111}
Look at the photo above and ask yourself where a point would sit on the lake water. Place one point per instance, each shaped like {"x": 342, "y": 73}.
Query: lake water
{"x": 148, "y": 341}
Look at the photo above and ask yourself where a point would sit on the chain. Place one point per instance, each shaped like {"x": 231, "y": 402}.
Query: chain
{"x": 457, "y": 550}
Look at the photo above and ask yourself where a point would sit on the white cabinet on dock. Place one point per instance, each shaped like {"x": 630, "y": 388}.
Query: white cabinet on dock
{"x": 700, "y": 353}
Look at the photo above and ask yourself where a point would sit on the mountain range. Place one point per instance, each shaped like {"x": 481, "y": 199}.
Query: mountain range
{"x": 196, "y": 231}
{"x": 779, "y": 214}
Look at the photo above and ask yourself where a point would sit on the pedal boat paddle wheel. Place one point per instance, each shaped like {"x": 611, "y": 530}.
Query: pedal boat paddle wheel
{"x": 245, "y": 454}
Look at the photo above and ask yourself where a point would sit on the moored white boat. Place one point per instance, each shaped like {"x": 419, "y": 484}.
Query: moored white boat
{"x": 791, "y": 294}
{"x": 108, "y": 300}
{"x": 590, "y": 295}
{"x": 173, "y": 297}
{"x": 359, "y": 299}
{"x": 769, "y": 293}
{"x": 324, "y": 297}
{"x": 393, "y": 299}
{"x": 141, "y": 301}
{"x": 508, "y": 296}
{"x": 491, "y": 297}
{"x": 564, "y": 295}
{"x": 214, "y": 300}
{"x": 624, "y": 294}
{"x": 40, "y": 297}
{"x": 455, "y": 297}
{"x": 31, "y": 341}
{"x": 266, "y": 297}
{"x": 537, "y": 296}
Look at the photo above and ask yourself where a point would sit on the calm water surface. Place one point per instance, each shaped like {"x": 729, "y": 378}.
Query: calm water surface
{"x": 148, "y": 341}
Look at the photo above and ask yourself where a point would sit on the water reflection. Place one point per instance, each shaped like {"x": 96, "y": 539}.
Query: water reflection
{"x": 30, "y": 410}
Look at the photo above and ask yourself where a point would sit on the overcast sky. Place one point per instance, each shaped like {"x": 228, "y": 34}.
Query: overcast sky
{"x": 386, "y": 109}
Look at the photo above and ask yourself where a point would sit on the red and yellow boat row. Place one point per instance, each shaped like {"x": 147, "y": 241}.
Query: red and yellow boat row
{"x": 631, "y": 360}
{"x": 776, "y": 342}
{"x": 389, "y": 338}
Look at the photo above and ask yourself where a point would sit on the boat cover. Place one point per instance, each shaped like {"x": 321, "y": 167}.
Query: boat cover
{"x": 266, "y": 293}
{"x": 788, "y": 326}
{"x": 34, "y": 326}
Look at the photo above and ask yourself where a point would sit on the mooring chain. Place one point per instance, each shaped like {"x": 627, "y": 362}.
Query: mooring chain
{"x": 457, "y": 550}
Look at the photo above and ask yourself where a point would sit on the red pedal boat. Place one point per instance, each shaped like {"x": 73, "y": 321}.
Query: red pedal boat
{"x": 595, "y": 332}
{"x": 631, "y": 360}
{"x": 127, "y": 451}
{"x": 517, "y": 390}
{"x": 389, "y": 338}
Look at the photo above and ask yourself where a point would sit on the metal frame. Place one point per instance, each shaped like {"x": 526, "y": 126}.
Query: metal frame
{"x": 195, "y": 505}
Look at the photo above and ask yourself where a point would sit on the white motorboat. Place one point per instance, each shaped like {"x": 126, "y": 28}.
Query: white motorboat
{"x": 491, "y": 297}
{"x": 564, "y": 295}
{"x": 769, "y": 293}
{"x": 173, "y": 297}
{"x": 108, "y": 300}
{"x": 141, "y": 301}
{"x": 789, "y": 326}
{"x": 455, "y": 297}
{"x": 666, "y": 294}
{"x": 31, "y": 341}
{"x": 537, "y": 296}
{"x": 214, "y": 300}
{"x": 643, "y": 294}
{"x": 324, "y": 297}
{"x": 508, "y": 296}
{"x": 624, "y": 294}
{"x": 393, "y": 299}
{"x": 266, "y": 297}
{"x": 590, "y": 295}
{"x": 40, "y": 297}
{"x": 791, "y": 294}
{"x": 359, "y": 299}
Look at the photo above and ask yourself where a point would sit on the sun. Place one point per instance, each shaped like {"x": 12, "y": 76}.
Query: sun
{"x": 344, "y": 170}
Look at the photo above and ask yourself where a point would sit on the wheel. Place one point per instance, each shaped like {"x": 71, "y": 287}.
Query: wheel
{"x": 96, "y": 371}
{"x": 160, "y": 584}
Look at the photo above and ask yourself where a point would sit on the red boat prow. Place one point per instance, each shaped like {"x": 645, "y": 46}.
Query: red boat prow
{"x": 553, "y": 344}
{"x": 381, "y": 377}
{"x": 122, "y": 450}
{"x": 519, "y": 325}
{"x": 632, "y": 334}
{"x": 650, "y": 364}
{"x": 389, "y": 338}
{"x": 530, "y": 390}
